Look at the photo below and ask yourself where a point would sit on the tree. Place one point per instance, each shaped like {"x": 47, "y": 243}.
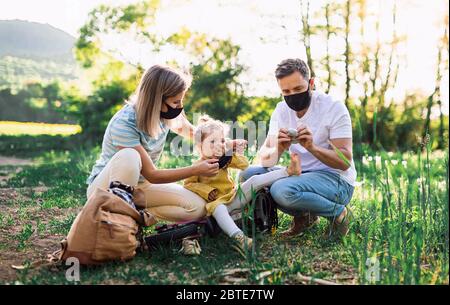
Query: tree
{"x": 347, "y": 53}
{"x": 442, "y": 45}
{"x": 136, "y": 18}
{"x": 213, "y": 62}
{"x": 306, "y": 32}
{"x": 436, "y": 94}
{"x": 216, "y": 88}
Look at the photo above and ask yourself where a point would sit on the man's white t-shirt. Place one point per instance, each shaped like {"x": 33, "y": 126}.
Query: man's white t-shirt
{"x": 327, "y": 119}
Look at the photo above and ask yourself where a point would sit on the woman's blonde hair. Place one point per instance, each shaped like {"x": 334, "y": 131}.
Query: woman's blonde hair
{"x": 205, "y": 126}
{"x": 157, "y": 84}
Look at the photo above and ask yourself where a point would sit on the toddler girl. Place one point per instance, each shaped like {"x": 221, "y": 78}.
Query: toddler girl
{"x": 220, "y": 191}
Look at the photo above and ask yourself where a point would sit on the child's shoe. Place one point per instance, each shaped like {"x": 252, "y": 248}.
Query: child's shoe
{"x": 190, "y": 246}
{"x": 242, "y": 241}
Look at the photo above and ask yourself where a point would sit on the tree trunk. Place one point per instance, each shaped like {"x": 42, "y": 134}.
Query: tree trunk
{"x": 437, "y": 89}
{"x": 347, "y": 51}
{"x": 442, "y": 139}
{"x": 365, "y": 64}
{"x": 327, "y": 58}
{"x": 306, "y": 32}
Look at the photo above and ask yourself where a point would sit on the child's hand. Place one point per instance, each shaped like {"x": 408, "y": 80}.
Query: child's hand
{"x": 239, "y": 146}
{"x": 213, "y": 195}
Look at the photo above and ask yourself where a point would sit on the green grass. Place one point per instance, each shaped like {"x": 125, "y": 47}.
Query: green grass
{"x": 400, "y": 218}
{"x": 28, "y": 146}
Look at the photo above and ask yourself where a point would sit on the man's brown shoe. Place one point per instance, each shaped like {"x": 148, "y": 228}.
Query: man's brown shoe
{"x": 300, "y": 224}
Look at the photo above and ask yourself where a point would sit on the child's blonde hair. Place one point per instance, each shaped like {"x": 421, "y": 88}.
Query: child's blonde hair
{"x": 205, "y": 126}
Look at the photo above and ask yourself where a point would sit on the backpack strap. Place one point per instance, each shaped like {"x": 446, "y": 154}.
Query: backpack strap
{"x": 52, "y": 260}
{"x": 273, "y": 212}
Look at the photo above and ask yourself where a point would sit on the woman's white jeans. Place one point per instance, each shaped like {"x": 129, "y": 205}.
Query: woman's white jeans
{"x": 169, "y": 201}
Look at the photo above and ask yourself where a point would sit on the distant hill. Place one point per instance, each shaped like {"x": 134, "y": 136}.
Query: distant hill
{"x": 31, "y": 51}
{"x": 35, "y": 41}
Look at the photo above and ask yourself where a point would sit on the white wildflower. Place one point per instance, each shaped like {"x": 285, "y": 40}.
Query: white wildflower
{"x": 442, "y": 185}
{"x": 377, "y": 161}
{"x": 365, "y": 161}
{"x": 359, "y": 183}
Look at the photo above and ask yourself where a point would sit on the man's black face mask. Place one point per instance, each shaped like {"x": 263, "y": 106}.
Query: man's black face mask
{"x": 171, "y": 113}
{"x": 299, "y": 101}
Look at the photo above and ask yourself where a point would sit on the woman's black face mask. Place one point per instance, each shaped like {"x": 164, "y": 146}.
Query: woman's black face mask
{"x": 299, "y": 101}
{"x": 171, "y": 112}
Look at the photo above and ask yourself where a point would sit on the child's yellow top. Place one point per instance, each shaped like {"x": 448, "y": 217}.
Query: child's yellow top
{"x": 222, "y": 182}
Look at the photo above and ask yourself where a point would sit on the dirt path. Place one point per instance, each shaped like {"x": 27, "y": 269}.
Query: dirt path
{"x": 14, "y": 161}
{"x": 12, "y": 224}
{"x": 16, "y": 165}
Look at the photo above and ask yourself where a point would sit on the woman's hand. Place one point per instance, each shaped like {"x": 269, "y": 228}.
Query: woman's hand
{"x": 208, "y": 168}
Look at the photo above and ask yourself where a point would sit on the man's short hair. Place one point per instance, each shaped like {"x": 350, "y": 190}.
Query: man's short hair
{"x": 290, "y": 65}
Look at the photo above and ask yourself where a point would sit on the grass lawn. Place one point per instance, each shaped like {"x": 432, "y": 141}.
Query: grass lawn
{"x": 400, "y": 225}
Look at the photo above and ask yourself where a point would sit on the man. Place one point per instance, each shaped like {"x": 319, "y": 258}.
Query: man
{"x": 323, "y": 127}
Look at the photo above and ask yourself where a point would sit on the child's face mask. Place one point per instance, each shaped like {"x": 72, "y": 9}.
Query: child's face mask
{"x": 225, "y": 159}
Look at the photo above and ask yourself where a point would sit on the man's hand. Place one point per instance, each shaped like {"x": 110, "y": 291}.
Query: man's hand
{"x": 273, "y": 147}
{"x": 213, "y": 195}
{"x": 305, "y": 137}
{"x": 284, "y": 141}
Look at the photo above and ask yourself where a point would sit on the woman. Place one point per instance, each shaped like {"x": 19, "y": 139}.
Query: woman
{"x": 134, "y": 140}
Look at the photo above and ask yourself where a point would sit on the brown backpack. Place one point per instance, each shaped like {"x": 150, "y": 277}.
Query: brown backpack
{"x": 106, "y": 229}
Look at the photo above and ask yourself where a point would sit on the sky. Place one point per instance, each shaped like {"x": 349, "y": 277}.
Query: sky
{"x": 267, "y": 30}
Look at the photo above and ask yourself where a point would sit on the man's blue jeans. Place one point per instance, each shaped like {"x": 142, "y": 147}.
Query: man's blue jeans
{"x": 322, "y": 193}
